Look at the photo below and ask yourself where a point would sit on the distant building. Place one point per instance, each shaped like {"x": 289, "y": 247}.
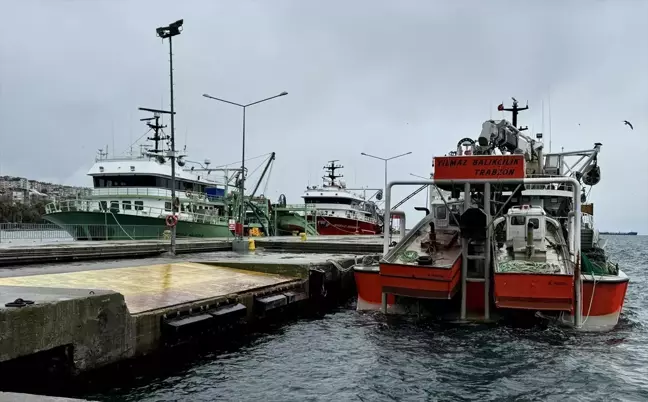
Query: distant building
{"x": 20, "y": 189}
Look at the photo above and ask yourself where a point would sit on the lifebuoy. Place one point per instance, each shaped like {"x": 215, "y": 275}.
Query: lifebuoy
{"x": 171, "y": 220}
{"x": 188, "y": 193}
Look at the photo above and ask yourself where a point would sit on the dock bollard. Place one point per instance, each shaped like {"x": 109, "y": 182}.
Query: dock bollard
{"x": 303, "y": 236}
{"x": 251, "y": 245}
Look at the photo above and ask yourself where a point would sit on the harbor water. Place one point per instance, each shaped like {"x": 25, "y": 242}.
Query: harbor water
{"x": 345, "y": 355}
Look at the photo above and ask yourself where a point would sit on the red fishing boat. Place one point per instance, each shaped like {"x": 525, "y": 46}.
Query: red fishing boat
{"x": 516, "y": 234}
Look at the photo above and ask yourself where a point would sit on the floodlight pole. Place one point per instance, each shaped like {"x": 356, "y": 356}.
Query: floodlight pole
{"x": 169, "y": 32}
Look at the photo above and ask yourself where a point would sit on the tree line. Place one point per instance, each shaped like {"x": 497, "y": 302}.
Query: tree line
{"x": 17, "y": 212}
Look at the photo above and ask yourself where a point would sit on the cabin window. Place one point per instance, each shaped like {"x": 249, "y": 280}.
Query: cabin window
{"x": 114, "y": 206}
{"x": 518, "y": 220}
{"x": 327, "y": 200}
{"x": 103, "y": 205}
{"x": 167, "y": 206}
{"x": 535, "y": 222}
{"x": 139, "y": 205}
{"x": 126, "y": 205}
{"x": 441, "y": 213}
{"x": 145, "y": 181}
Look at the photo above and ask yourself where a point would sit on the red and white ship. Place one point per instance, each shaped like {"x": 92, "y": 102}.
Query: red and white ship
{"x": 334, "y": 209}
{"x": 339, "y": 211}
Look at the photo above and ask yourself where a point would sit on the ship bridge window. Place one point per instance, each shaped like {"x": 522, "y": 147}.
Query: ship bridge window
{"x": 327, "y": 200}
{"x": 146, "y": 181}
{"x": 518, "y": 220}
{"x": 441, "y": 213}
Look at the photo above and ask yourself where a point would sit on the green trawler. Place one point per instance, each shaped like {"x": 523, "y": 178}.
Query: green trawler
{"x": 131, "y": 197}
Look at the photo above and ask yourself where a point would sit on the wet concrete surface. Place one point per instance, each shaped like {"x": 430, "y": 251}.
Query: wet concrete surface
{"x": 41, "y": 294}
{"x": 152, "y": 287}
{"x": 257, "y": 256}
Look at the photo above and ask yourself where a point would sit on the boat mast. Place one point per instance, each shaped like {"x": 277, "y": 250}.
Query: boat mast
{"x": 330, "y": 170}
{"x": 514, "y": 110}
{"x": 157, "y": 129}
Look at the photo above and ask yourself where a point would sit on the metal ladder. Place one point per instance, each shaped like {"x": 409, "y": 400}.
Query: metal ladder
{"x": 486, "y": 256}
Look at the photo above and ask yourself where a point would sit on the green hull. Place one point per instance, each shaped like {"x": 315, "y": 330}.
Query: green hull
{"x": 287, "y": 223}
{"x": 100, "y": 226}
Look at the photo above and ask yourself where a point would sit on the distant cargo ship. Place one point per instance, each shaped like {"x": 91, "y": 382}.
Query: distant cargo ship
{"x": 619, "y": 233}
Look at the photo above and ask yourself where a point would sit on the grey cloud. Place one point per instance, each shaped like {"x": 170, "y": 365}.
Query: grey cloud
{"x": 381, "y": 77}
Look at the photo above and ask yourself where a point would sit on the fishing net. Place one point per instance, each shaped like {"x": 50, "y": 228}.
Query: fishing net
{"x": 595, "y": 263}
{"x": 530, "y": 267}
{"x": 408, "y": 256}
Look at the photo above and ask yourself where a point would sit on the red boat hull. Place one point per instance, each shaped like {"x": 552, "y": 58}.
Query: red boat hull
{"x": 333, "y": 226}
{"x": 603, "y": 299}
{"x": 440, "y": 283}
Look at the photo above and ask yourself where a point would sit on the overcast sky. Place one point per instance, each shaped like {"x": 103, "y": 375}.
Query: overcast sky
{"x": 381, "y": 77}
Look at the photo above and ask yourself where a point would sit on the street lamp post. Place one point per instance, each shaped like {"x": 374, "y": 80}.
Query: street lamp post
{"x": 386, "y": 160}
{"x": 241, "y": 212}
{"x": 169, "y": 32}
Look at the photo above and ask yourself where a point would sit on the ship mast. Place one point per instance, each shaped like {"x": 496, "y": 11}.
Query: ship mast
{"x": 514, "y": 110}
{"x": 157, "y": 129}
{"x": 330, "y": 173}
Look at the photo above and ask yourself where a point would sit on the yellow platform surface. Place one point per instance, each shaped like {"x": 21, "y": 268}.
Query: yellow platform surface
{"x": 152, "y": 287}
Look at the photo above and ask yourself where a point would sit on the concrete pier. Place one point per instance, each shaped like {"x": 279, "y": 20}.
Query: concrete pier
{"x": 11, "y": 255}
{"x": 93, "y": 317}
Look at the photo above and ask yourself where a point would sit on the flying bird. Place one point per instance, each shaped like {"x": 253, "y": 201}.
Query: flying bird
{"x": 627, "y": 123}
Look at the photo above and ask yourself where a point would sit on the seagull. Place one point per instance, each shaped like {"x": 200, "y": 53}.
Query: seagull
{"x": 627, "y": 123}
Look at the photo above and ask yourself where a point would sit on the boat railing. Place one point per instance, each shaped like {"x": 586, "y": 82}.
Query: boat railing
{"x": 152, "y": 192}
{"x": 297, "y": 207}
{"x": 562, "y": 187}
{"x": 136, "y": 210}
{"x": 29, "y": 233}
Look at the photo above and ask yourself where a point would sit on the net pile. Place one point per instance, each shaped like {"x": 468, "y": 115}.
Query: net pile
{"x": 595, "y": 263}
{"x": 408, "y": 256}
{"x": 530, "y": 267}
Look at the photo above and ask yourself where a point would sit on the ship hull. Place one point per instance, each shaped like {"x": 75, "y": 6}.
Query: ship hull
{"x": 100, "y": 226}
{"x": 603, "y": 299}
{"x": 419, "y": 282}
{"x": 328, "y": 226}
{"x": 333, "y": 226}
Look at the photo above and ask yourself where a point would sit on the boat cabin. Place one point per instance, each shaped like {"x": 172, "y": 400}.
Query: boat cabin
{"x": 526, "y": 229}
{"x": 446, "y": 215}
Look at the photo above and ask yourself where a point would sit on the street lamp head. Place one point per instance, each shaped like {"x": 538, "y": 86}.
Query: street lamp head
{"x": 172, "y": 30}
{"x": 284, "y": 93}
